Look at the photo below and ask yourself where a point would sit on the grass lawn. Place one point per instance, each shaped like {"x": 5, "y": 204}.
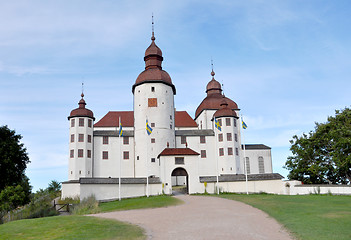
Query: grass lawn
{"x": 137, "y": 203}
{"x": 306, "y": 216}
{"x": 69, "y": 227}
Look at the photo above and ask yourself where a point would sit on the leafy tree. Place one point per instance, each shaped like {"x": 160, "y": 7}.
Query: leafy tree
{"x": 13, "y": 162}
{"x": 11, "y": 197}
{"x": 323, "y": 155}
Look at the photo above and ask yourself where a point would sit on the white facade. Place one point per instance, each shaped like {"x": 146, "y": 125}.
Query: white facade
{"x": 178, "y": 144}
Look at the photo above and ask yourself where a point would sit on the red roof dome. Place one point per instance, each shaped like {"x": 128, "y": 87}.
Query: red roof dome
{"x": 153, "y": 67}
{"x": 81, "y": 111}
{"x": 214, "y": 98}
{"x": 225, "y": 111}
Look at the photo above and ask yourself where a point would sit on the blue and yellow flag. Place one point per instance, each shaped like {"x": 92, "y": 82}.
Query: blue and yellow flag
{"x": 217, "y": 125}
{"x": 120, "y": 129}
{"x": 148, "y": 128}
{"x": 243, "y": 124}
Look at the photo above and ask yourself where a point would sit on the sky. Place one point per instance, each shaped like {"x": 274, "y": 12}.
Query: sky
{"x": 287, "y": 64}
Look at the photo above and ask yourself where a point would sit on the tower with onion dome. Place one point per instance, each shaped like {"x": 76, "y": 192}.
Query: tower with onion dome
{"x": 212, "y": 103}
{"x": 153, "y": 101}
{"x": 228, "y": 140}
{"x": 81, "y": 122}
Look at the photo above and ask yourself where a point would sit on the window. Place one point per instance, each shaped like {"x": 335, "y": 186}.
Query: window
{"x": 170, "y": 117}
{"x": 220, "y": 121}
{"x": 237, "y": 151}
{"x": 104, "y": 154}
{"x": 203, "y": 153}
{"x": 234, "y": 122}
{"x": 72, "y": 122}
{"x": 81, "y": 138}
{"x": 183, "y": 139}
{"x": 153, "y": 160}
{"x": 90, "y": 123}
{"x": 152, "y": 140}
{"x": 89, "y": 138}
{"x": 71, "y": 153}
{"x": 229, "y": 137}
{"x": 248, "y": 165}
{"x": 125, "y": 140}
{"x": 137, "y": 157}
{"x": 230, "y": 151}
{"x": 220, "y": 137}
{"x": 81, "y": 122}
{"x": 179, "y": 160}
{"x": 125, "y": 155}
{"x": 260, "y": 165}
{"x": 152, "y": 89}
{"x": 227, "y": 121}
{"x": 202, "y": 139}
{"x": 236, "y": 137}
{"x": 221, "y": 152}
{"x": 80, "y": 153}
{"x": 89, "y": 153}
{"x": 170, "y": 126}
{"x": 152, "y": 124}
{"x": 72, "y": 137}
{"x": 105, "y": 140}
{"x": 152, "y": 102}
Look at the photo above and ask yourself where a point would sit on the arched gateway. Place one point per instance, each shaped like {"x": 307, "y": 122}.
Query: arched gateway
{"x": 180, "y": 178}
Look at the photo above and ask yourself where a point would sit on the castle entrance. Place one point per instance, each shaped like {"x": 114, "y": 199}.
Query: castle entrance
{"x": 180, "y": 182}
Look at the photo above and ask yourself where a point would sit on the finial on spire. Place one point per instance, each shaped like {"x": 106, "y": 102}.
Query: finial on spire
{"x": 82, "y": 90}
{"x": 212, "y": 73}
{"x": 153, "y": 35}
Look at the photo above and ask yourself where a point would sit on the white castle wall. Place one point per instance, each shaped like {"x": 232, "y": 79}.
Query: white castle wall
{"x": 163, "y": 132}
{"x": 80, "y": 166}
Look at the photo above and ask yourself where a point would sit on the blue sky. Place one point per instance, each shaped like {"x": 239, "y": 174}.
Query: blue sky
{"x": 287, "y": 64}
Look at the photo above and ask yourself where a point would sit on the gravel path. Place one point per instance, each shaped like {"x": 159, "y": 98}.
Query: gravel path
{"x": 203, "y": 218}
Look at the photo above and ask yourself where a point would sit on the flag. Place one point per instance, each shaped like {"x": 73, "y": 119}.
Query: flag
{"x": 148, "y": 128}
{"x": 217, "y": 125}
{"x": 243, "y": 124}
{"x": 120, "y": 129}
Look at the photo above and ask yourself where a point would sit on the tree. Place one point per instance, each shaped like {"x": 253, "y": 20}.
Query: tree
{"x": 13, "y": 161}
{"x": 324, "y": 155}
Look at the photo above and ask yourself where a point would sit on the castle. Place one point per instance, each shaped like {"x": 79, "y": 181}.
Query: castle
{"x": 154, "y": 147}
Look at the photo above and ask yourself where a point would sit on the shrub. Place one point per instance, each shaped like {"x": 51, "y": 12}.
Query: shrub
{"x": 87, "y": 206}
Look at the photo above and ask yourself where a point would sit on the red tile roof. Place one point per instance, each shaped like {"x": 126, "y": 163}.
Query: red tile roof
{"x": 177, "y": 151}
{"x": 182, "y": 119}
{"x": 111, "y": 119}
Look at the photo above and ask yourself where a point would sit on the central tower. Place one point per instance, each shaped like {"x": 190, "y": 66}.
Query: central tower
{"x": 153, "y": 103}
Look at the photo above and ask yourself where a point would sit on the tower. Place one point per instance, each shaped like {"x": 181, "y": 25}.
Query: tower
{"x": 81, "y": 142}
{"x": 153, "y": 101}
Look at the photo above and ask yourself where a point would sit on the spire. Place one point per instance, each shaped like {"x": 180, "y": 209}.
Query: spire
{"x": 212, "y": 73}
{"x": 153, "y": 54}
{"x": 153, "y": 35}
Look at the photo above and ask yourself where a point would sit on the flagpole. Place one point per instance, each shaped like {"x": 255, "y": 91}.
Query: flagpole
{"x": 120, "y": 160}
{"x": 147, "y": 162}
{"x": 216, "y": 157}
{"x": 245, "y": 164}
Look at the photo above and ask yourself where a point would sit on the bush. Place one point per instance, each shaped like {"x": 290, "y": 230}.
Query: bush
{"x": 87, "y": 206}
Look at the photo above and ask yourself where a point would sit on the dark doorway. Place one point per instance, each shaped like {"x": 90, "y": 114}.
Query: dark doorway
{"x": 180, "y": 182}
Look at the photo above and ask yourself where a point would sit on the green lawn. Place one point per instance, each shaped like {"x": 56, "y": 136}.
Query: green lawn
{"x": 306, "y": 216}
{"x": 83, "y": 227}
{"x": 137, "y": 203}
{"x": 69, "y": 227}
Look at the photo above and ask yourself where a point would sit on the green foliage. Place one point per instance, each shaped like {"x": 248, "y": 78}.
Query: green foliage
{"x": 308, "y": 217}
{"x": 11, "y": 197}
{"x": 86, "y": 206}
{"x": 13, "y": 158}
{"x": 54, "y": 186}
{"x": 323, "y": 155}
{"x": 69, "y": 228}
